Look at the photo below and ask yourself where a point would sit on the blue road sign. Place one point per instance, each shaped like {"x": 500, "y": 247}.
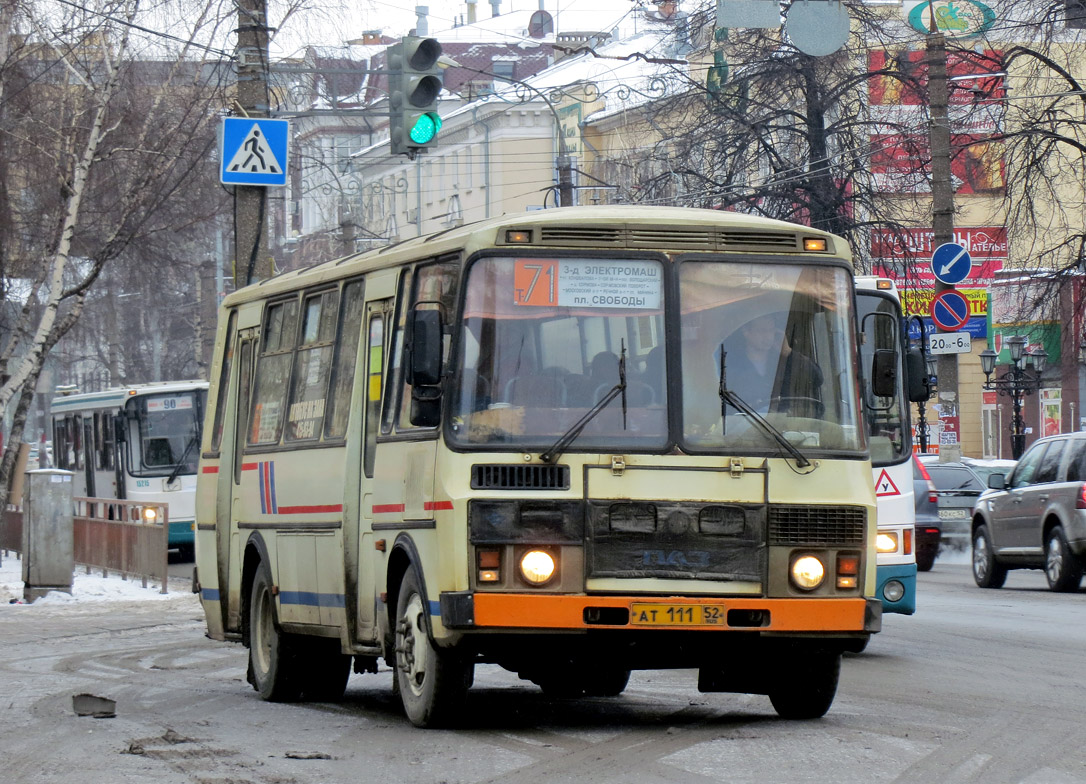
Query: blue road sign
{"x": 950, "y": 310}
{"x": 951, "y": 263}
{"x": 254, "y": 151}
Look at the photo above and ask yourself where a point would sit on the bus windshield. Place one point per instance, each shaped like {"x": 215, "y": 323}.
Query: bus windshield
{"x": 880, "y": 318}
{"x": 169, "y": 433}
{"x": 543, "y": 340}
{"x": 779, "y": 338}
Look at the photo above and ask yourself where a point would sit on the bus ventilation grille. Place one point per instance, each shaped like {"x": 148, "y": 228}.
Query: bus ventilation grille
{"x": 520, "y": 477}
{"x": 817, "y": 525}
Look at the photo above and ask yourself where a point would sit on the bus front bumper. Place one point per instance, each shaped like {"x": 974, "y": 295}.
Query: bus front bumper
{"x": 467, "y": 610}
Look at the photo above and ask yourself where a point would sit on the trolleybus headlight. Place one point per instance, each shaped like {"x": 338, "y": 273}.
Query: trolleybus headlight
{"x": 893, "y": 591}
{"x": 886, "y": 543}
{"x": 808, "y": 572}
{"x": 537, "y": 566}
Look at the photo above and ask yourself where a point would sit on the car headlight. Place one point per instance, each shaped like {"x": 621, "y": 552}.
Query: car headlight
{"x": 537, "y": 566}
{"x": 886, "y": 543}
{"x": 808, "y": 572}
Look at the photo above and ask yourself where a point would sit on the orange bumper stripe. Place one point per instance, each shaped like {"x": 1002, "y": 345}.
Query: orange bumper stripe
{"x": 526, "y": 611}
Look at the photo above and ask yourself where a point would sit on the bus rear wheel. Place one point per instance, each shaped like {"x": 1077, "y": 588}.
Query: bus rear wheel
{"x": 807, "y": 684}
{"x": 274, "y": 661}
{"x": 432, "y": 681}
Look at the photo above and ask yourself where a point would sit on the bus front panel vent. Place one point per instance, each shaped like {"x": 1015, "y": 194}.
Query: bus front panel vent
{"x": 822, "y": 525}
{"x": 520, "y": 477}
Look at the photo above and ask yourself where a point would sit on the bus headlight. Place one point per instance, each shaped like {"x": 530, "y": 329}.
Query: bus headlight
{"x": 893, "y": 591}
{"x": 886, "y": 543}
{"x": 537, "y": 566}
{"x": 150, "y": 514}
{"x": 808, "y": 572}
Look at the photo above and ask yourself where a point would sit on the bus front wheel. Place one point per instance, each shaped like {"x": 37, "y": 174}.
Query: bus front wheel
{"x": 806, "y": 685}
{"x": 274, "y": 666}
{"x": 432, "y": 682}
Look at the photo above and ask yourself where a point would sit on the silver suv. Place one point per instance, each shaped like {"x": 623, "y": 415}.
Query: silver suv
{"x": 1035, "y": 518}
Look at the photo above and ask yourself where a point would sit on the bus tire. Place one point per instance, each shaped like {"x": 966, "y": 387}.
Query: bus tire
{"x": 607, "y": 682}
{"x": 433, "y": 682}
{"x": 326, "y": 671}
{"x": 807, "y": 685}
{"x": 274, "y": 663}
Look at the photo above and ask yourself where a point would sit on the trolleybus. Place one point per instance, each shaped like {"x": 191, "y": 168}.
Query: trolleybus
{"x": 517, "y": 442}
{"x": 139, "y": 442}
{"x": 890, "y": 439}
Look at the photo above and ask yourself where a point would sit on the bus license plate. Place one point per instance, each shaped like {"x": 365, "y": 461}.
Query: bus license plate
{"x": 643, "y": 614}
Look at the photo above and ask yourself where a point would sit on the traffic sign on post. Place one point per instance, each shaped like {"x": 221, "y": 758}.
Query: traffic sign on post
{"x": 950, "y": 310}
{"x": 951, "y": 263}
{"x": 254, "y": 151}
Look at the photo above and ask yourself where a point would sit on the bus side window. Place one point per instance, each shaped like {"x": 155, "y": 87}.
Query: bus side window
{"x": 312, "y": 366}
{"x": 343, "y": 369}
{"x": 224, "y": 383}
{"x": 434, "y": 283}
{"x": 396, "y": 355}
{"x": 273, "y": 373}
{"x": 374, "y": 366}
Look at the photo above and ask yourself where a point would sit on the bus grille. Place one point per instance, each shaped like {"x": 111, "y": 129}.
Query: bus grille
{"x": 520, "y": 477}
{"x": 817, "y": 525}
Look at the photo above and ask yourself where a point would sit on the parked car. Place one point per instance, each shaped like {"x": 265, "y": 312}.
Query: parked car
{"x": 957, "y": 488}
{"x": 1035, "y": 518}
{"x": 928, "y": 530}
{"x": 985, "y": 467}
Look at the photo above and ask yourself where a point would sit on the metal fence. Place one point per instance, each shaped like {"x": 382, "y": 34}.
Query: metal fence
{"x": 126, "y": 538}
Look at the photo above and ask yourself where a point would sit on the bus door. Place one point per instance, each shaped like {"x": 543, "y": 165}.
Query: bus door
{"x": 228, "y": 544}
{"x": 378, "y": 315}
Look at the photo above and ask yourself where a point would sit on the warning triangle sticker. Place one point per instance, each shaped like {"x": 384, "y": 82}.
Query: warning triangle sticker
{"x": 885, "y": 486}
{"x": 254, "y": 156}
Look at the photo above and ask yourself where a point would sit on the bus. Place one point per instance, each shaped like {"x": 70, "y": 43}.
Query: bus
{"x": 889, "y": 435}
{"x": 137, "y": 443}
{"x": 516, "y": 443}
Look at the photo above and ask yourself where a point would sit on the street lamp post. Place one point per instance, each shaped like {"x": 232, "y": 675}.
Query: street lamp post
{"x": 1020, "y": 379}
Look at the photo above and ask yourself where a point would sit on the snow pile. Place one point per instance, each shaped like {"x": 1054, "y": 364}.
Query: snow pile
{"x": 85, "y": 587}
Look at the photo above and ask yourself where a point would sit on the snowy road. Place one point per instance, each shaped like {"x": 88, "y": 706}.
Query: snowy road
{"x": 978, "y": 686}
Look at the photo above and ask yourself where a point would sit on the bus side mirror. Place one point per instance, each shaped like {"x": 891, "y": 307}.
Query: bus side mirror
{"x": 919, "y": 384}
{"x": 424, "y": 348}
{"x": 423, "y": 366}
{"x": 884, "y": 373}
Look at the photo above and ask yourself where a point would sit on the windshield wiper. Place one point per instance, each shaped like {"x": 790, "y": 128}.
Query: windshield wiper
{"x": 728, "y": 397}
{"x": 570, "y": 435}
{"x": 181, "y": 463}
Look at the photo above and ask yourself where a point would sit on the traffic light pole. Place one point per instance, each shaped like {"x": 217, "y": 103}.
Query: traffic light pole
{"x": 250, "y": 202}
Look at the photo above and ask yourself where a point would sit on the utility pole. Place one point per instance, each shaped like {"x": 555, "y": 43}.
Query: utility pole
{"x": 942, "y": 188}
{"x": 250, "y": 202}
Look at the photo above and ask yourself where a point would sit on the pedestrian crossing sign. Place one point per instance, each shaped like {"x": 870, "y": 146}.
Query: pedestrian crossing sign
{"x": 254, "y": 151}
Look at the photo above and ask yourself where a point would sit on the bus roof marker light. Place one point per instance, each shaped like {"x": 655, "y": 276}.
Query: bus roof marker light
{"x": 518, "y": 236}
{"x": 815, "y": 244}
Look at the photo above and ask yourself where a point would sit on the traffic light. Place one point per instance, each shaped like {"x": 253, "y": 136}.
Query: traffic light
{"x": 414, "y": 83}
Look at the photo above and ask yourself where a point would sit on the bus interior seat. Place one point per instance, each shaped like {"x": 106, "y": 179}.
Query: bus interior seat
{"x": 536, "y": 391}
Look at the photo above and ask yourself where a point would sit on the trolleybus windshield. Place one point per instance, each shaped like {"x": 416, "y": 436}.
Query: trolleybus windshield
{"x": 169, "y": 431}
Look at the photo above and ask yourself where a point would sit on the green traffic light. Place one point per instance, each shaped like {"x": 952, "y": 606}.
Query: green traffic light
{"x": 425, "y": 128}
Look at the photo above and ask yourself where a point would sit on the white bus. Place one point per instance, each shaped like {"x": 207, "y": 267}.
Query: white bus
{"x": 138, "y": 443}
{"x": 517, "y": 442}
{"x": 890, "y": 438}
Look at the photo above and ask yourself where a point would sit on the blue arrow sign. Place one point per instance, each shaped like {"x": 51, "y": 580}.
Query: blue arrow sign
{"x": 951, "y": 263}
{"x": 254, "y": 151}
{"x": 950, "y": 310}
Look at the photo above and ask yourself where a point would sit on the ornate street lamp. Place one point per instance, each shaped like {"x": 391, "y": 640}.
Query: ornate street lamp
{"x": 1021, "y": 378}
{"x": 931, "y": 364}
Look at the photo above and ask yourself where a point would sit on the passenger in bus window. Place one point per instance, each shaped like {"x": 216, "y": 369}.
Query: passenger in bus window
{"x": 764, "y": 370}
